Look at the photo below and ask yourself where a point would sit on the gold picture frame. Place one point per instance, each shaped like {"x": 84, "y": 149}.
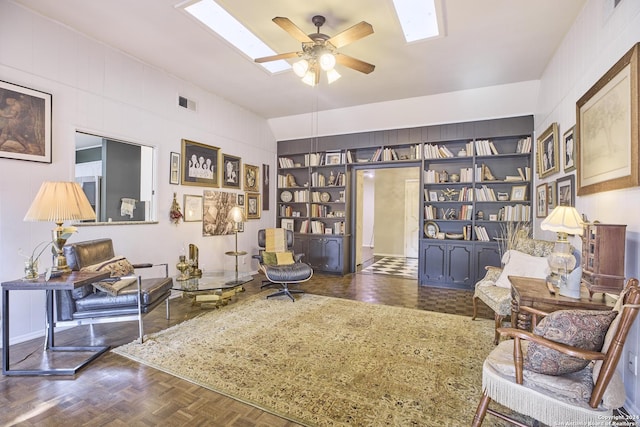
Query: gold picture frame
{"x": 199, "y": 164}
{"x": 606, "y": 132}
{"x": 253, "y": 205}
{"x": 547, "y": 151}
{"x": 251, "y": 178}
{"x": 541, "y": 201}
{"x": 519, "y": 193}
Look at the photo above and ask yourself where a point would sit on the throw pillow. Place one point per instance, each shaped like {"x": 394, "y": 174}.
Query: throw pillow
{"x": 269, "y": 258}
{"x": 113, "y": 287}
{"x": 518, "y": 263}
{"x": 583, "y": 329}
{"x": 118, "y": 266}
{"x": 284, "y": 258}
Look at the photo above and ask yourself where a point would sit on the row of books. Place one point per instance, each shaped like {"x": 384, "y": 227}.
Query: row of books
{"x": 435, "y": 151}
{"x": 514, "y": 213}
{"x": 481, "y": 233}
{"x": 319, "y": 227}
{"x": 287, "y": 210}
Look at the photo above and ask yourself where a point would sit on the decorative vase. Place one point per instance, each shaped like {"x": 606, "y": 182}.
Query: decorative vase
{"x": 31, "y": 269}
{"x": 454, "y": 177}
{"x": 183, "y": 267}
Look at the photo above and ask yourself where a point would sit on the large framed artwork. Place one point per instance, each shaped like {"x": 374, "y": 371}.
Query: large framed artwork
{"x": 25, "y": 123}
{"x": 231, "y": 171}
{"x": 607, "y": 129}
{"x": 547, "y": 150}
{"x": 199, "y": 164}
{"x": 216, "y": 207}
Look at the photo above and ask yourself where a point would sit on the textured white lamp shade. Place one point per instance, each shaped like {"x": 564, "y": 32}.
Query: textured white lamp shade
{"x": 58, "y": 202}
{"x": 563, "y": 219}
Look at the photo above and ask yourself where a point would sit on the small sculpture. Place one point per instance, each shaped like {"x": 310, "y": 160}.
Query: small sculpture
{"x": 194, "y": 271}
{"x": 450, "y": 193}
{"x": 332, "y": 179}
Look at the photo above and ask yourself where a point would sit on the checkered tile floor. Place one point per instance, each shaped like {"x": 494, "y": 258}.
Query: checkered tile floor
{"x": 405, "y": 267}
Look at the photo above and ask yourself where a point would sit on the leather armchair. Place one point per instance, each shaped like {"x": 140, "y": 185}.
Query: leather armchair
{"x": 88, "y": 305}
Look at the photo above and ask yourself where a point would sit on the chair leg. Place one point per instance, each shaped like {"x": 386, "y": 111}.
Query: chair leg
{"x": 475, "y": 308}
{"x": 266, "y": 283}
{"x": 499, "y": 318}
{"x": 286, "y": 291}
{"x": 478, "y": 418}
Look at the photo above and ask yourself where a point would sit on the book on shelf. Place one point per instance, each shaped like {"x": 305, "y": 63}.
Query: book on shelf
{"x": 430, "y": 212}
{"x": 285, "y": 162}
{"x": 435, "y": 151}
{"x": 481, "y": 233}
{"x": 524, "y": 145}
{"x": 338, "y": 228}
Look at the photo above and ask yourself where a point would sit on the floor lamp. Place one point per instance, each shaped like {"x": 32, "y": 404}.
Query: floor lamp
{"x": 236, "y": 215}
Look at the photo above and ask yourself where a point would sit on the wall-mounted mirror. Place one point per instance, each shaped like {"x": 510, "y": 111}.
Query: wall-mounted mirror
{"x": 117, "y": 177}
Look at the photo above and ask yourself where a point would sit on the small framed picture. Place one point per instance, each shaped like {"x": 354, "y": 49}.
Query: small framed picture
{"x": 566, "y": 191}
{"x": 551, "y": 196}
{"x": 240, "y": 200}
{"x": 174, "y": 168}
{"x": 200, "y": 164}
{"x": 541, "y": 201}
{"x": 192, "y": 208}
{"x": 231, "y": 171}
{"x": 547, "y": 149}
{"x": 433, "y": 196}
{"x": 493, "y": 217}
{"x": 253, "y": 205}
{"x": 568, "y": 151}
{"x": 333, "y": 158}
{"x": 287, "y": 223}
{"x": 251, "y": 178}
{"x": 519, "y": 193}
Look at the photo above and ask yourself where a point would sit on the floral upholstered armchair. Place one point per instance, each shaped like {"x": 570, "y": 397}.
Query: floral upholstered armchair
{"x": 494, "y": 289}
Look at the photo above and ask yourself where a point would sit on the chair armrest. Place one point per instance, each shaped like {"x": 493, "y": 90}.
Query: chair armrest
{"x": 298, "y": 257}
{"x": 145, "y": 265}
{"x": 519, "y": 334}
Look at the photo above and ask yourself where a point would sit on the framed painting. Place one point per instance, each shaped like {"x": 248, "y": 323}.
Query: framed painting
{"x": 541, "y": 201}
{"x": 547, "y": 152}
{"x": 192, "y": 208}
{"x": 551, "y": 196}
{"x": 519, "y": 192}
{"x": 25, "y": 123}
{"x": 199, "y": 164}
{"x": 566, "y": 191}
{"x": 251, "y": 178}
{"x": 240, "y": 200}
{"x": 174, "y": 168}
{"x": 253, "y": 205}
{"x": 265, "y": 187}
{"x": 231, "y": 171}
{"x": 215, "y": 212}
{"x": 568, "y": 150}
{"x": 606, "y": 131}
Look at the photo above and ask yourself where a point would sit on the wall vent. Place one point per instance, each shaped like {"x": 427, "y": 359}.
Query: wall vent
{"x": 186, "y": 103}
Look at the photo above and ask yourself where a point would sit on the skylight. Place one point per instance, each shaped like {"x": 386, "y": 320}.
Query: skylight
{"x": 418, "y": 19}
{"x": 220, "y": 21}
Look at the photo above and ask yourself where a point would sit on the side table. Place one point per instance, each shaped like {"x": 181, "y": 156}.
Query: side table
{"x": 236, "y": 254}
{"x": 530, "y": 292}
{"x": 72, "y": 280}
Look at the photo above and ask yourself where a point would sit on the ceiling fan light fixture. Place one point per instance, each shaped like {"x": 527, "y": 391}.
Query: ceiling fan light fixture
{"x": 327, "y": 61}
{"x": 301, "y": 67}
{"x": 333, "y": 75}
{"x": 309, "y": 78}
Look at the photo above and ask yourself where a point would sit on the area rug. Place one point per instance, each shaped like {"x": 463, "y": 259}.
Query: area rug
{"x": 395, "y": 266}
{"x": 324, "y": 361}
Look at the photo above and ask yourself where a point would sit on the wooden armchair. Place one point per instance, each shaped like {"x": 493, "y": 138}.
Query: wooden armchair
{"x": 585, "y": 397}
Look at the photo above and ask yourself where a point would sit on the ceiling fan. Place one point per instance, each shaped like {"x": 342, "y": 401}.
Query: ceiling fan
{"x": 320, "y": 52}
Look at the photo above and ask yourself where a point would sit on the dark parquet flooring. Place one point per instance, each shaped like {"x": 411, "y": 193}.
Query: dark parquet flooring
{"x": 115, "y": 391}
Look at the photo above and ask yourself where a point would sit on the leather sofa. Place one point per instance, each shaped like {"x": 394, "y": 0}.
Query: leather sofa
{"x": 89, "y": 305}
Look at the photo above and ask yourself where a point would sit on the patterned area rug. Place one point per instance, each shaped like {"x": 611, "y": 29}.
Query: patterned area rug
{"x": 330, "y": 362}
{"x": 396, "y": 266}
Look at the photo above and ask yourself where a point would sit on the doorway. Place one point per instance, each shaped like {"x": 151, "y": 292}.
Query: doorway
{"x": 387, "y": 216}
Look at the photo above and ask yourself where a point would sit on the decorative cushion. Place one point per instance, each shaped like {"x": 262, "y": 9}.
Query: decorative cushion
{"x": 584, "y": 329}
{"x": 518, "y": 263}
{"x": 284, "y": 258}
{"x": 118, "y": 266}
{"x": 277, "y": 258}
{"x": 114, "y": 287}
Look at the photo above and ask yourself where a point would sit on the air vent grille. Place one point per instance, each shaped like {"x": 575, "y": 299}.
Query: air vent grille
{"x": 186, "y": 103}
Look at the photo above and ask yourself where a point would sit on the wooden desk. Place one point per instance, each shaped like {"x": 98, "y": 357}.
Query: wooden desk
{"x": 530, "y": 292}
{"x": 70, "y": 281}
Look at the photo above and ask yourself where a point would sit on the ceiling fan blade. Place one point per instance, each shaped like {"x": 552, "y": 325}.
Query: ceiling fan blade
{"x": 292, "y": 29}
{"x": 351, "y": 34}
{"x": 356, "y": 64}
{"x": 277, "y": 57}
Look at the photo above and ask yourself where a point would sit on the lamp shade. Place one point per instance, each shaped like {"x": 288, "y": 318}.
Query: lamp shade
{"x": 236, "y": 214}
{"x": 563, "y": 219}
{"x": 59, "y": 202}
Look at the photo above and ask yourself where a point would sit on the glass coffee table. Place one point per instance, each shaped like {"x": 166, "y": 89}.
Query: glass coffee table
{"x": 213, "y": 289}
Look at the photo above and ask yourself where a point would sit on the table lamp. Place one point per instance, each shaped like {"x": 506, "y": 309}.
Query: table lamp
{"x": 59, "y": 202}
{"x": 563, "y": 220}
{"x": 236, "y": 215}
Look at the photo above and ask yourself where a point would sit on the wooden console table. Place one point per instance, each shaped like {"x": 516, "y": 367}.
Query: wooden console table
{"x": 70, "y": 281}
{"x": 530, "y": 292}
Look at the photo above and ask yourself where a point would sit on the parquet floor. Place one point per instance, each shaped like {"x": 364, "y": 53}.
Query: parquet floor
{"x": 115, "y": 391}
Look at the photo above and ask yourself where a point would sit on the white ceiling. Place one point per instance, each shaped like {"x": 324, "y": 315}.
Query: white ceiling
{"x": 487, "y": 42}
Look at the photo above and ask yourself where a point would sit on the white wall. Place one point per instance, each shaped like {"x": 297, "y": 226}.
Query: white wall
{"x": 106, "y": 92}
{"x": 597, "y": 40}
